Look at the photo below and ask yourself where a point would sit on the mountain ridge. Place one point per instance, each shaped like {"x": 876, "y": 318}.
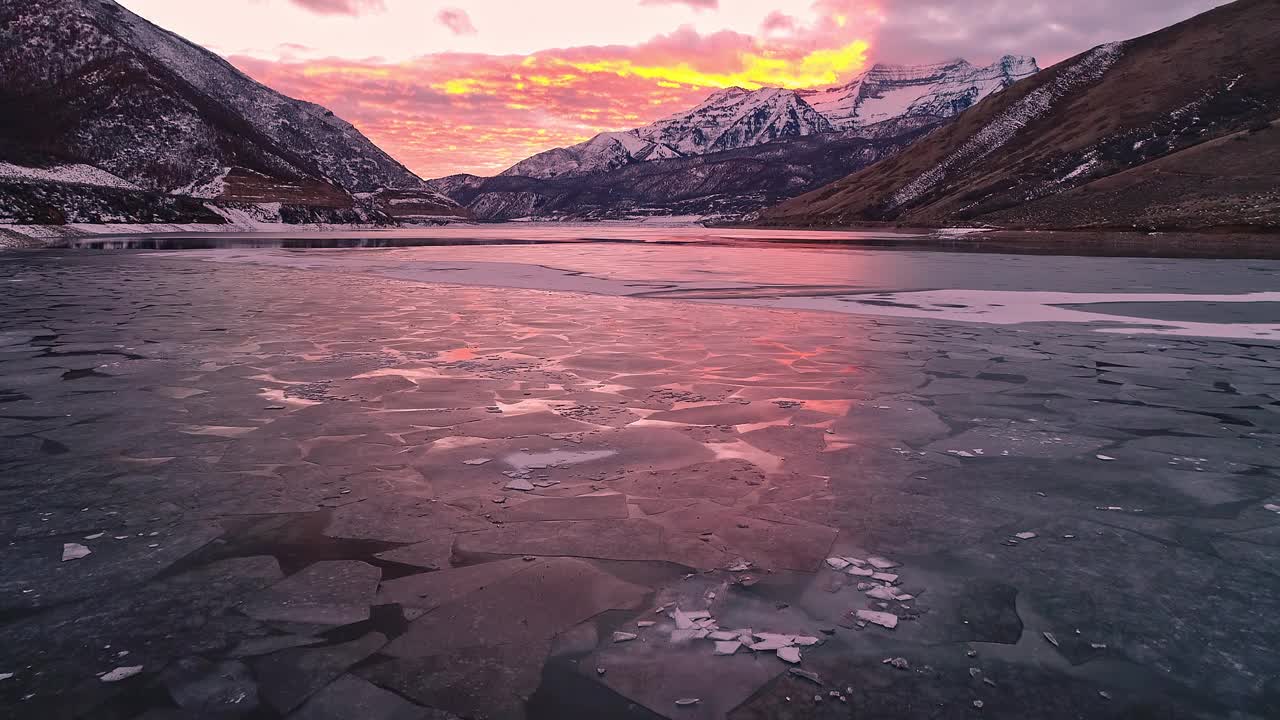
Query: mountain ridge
{"x": 734, "y": 118}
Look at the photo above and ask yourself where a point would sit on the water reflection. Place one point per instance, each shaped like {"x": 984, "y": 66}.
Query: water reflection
{"x": 509, "y": 234}
{"x": 629, "y": 233}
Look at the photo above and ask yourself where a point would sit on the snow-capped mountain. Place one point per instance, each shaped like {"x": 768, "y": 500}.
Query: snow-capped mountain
{"x": 737, "y": 118}
{"x": 889, "y": 92}
{"x": 86, "y": 82}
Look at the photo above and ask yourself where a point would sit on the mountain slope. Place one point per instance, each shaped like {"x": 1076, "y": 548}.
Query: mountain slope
{"x": 737, "y": 118}
{"x": 1044, "y": 152}
{"x": 88, "y": 82}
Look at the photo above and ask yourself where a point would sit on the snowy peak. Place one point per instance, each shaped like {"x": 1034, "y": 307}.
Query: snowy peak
{"x": 736, "y": 118}
{"x": 604, "y": 152}
{"x": 728, "y": 119}
{"x": 939, "y": 90}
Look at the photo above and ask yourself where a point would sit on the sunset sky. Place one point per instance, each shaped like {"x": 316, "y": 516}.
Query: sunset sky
{"x": 475, "y": 85}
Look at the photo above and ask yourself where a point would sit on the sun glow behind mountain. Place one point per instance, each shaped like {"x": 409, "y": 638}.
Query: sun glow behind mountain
{"x": 462, "y": 110}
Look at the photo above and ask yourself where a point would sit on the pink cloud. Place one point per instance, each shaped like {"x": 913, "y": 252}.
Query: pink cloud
{"x": 695, "y": 4}
{"x": 342, "y": 7}
{"x": 457, "y": 20}
{"x": 454, "y": 112}
{"x": 779, "y": 22}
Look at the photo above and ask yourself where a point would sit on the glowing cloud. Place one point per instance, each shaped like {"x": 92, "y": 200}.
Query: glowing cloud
{"x": 696, "y": 4}
{"x": 452, "y": 112}
{"x": 341, "y": 7}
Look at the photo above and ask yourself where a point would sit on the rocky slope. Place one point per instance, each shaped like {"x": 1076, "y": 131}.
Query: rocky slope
{"x": 88, "y": 83}
{"x": 737, "y": 118}
{"x": 1172, "y": 130}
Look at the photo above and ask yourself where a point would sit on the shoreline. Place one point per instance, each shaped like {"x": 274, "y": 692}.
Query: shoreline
{"x": 1103, "y": 242}
{"x": 1224, "y": 244}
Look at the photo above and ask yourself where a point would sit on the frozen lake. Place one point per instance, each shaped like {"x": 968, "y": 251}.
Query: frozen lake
{"x": 1236, "y": 298}
{"x": 592, "y": 478}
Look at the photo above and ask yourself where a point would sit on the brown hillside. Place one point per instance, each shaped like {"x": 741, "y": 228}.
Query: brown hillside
{"x": 1016, "y": 157}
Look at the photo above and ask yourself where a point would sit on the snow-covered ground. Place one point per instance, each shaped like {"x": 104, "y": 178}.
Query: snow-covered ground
{"x": 238, "y": 221}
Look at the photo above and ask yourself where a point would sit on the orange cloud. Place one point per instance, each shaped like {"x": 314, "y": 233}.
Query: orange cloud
{"x": 453, "y": 112}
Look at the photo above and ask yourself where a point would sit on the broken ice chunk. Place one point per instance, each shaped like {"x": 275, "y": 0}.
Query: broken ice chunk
{"x": 74, "y": 551}
{"x": 686, "y": 702}
{"x": 621, "y": 637}
{"x": 723, "y": 635}
{"x": 771, "y": 642}
{"x": 880, "y": 563}
{"x": 520, "y": 484}
{"x": 1272, "y": 507}
{"x": 1026, "y": 536}
{"x": 121, "y": 673}
{"x": 812, "y": 677}
{"x": 5, "y": 676}
{"x": 789, "y": 654}
{"x": 477, "y": 461}
{"x": 805, "y": 640}
{"x": 683, "y": 621}
{"x": 880, "y": 592}
{"x": 645, "y": 623}
{"x": 727, "y": 647}
{"x": 859, "y": 571}
{"x": 740, "y": 566}
{"x": 836, "y": 563}
{"x": 1104, "y": 458}
{"x": 94, "y": 536}
{"x": 883, "y": 619}
{"x": 1052, "y": 640}
{"x": 885, "y": 577}
{"x": 896, "y": 663}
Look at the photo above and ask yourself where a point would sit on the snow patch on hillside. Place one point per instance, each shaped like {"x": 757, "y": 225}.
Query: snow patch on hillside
{"x": 77, "y": 174}
{"x": 208, "y": 190}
